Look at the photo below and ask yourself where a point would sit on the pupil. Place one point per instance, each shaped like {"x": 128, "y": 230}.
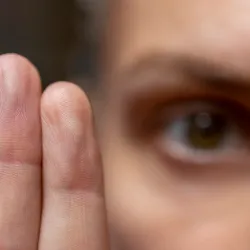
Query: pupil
{"x": 206, "y": 130}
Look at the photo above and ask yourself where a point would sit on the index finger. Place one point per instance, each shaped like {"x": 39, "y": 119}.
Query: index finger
{"x": 74, "y": 214}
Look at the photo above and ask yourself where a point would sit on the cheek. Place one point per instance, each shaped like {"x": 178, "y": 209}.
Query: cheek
{"x": 150, "y": 210}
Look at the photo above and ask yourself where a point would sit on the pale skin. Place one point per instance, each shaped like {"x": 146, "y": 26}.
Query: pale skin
{"x": 160, "y": 193}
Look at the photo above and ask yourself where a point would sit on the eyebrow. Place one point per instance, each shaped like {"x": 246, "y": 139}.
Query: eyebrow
{"x": 176, "y": 68}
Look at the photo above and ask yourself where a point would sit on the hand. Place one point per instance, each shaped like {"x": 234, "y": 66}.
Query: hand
{"x": 50, "y": 170}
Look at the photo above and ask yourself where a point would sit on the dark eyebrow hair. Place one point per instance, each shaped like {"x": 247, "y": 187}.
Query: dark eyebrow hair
{"x": 199, "y": 70}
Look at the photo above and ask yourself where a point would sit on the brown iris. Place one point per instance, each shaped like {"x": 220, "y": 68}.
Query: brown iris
{"x": 206, "y": 130}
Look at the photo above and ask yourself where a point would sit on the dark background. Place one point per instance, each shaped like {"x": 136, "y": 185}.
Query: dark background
{"x": 50, "y": 33}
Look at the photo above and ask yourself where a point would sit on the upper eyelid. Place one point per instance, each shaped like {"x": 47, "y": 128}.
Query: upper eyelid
{"x": 176, "y": 93}
{"x": 156, "y": 102}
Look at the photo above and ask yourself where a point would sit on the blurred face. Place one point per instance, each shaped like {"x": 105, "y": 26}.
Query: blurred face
{"x": 175, "y": 131}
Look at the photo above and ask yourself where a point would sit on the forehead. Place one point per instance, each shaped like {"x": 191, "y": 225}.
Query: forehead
{"x": 218, "y": 31}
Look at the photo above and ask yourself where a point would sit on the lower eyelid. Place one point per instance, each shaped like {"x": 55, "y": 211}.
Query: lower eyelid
{"x": 174, "y": 152}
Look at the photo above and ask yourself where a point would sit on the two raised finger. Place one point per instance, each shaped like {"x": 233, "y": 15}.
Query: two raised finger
{"x": 72, "y": 213}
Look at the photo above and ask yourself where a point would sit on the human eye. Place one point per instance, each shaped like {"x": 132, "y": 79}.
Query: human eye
{"x": 202, "y": 132}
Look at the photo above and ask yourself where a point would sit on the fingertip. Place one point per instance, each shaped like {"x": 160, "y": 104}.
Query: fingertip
{"x": 16, "y": 69}
{"x": 65, "y": 95}
{"x": 65, "y": 106}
